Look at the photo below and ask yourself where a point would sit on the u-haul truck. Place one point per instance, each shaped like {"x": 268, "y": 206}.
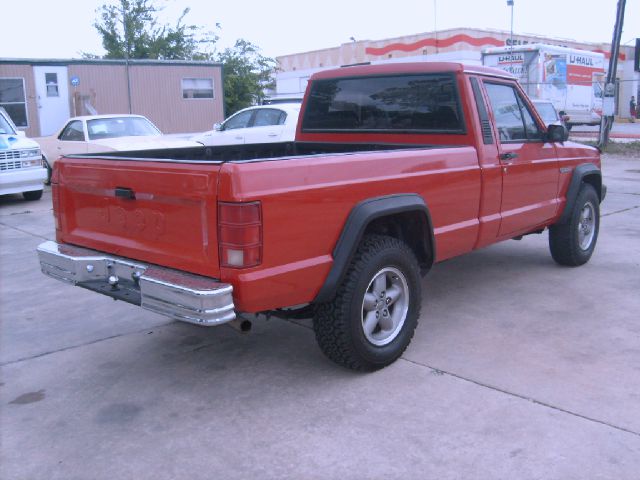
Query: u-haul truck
{"x": 570, "y": 78}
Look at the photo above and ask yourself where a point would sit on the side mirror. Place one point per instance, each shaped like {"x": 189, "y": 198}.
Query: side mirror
{"x": 218, "y": 127}
{"x": 557, "y": 133}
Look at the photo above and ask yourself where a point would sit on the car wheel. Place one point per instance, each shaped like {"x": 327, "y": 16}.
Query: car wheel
{"x": 372, "y": 318}
{"x": 572, "y": 243}
{"x": 33, "y": 195}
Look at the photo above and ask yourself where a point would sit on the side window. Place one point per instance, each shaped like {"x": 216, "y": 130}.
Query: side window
{"x": 268, "y": 117}
{"x": 241, "y": 120}
{"x": 530, "y": 125}
{"x": 513, "y": 119}
{"x": 73, "y": 132}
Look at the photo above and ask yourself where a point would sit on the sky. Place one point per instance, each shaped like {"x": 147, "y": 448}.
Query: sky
{"x": 63, "y": 28}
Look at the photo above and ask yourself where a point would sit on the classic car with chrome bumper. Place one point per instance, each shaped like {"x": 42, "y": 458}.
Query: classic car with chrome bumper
{"x": 180, "y": 295}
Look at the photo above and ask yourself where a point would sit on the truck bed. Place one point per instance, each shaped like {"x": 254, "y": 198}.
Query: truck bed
{"x": 256, "y": 152}
{"x": 160, "y": 206}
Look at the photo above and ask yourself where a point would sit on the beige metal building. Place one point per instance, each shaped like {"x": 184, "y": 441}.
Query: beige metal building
{"x": 455, "y": 45}
{"x": 178, "y": 96}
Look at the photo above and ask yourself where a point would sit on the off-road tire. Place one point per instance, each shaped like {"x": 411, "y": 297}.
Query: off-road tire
{"x": 572, "y": 243}
{"x": 339, "y": 323}
{"x": 33, "y": 195}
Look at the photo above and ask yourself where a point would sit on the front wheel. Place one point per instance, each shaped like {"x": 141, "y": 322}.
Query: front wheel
{"x": 373, "y": 316}
{"x": 572, "y": 243}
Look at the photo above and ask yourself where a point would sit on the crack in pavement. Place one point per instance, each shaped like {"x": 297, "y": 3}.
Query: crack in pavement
{"x": 92, "y": 342}
{"x": 24, "y": 231}
{"x": 619, "y": 211}
{"x": 521, "y": 397}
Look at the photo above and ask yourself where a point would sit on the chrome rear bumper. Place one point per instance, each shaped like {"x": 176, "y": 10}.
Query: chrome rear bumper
{"x": 175, "y": 294}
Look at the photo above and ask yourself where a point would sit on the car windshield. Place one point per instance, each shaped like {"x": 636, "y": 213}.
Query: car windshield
{"x": 120, "y": 127}
{"x": 5, "y": 127}
{"x": 547, "y": 112}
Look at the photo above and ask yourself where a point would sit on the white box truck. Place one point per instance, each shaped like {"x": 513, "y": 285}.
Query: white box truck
{"x": 572, "y": 79}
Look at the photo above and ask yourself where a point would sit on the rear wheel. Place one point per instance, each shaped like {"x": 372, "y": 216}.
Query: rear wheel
{"x": 373, "y": 316}
{"x": 33, "y": 195}
{"x": 572, "y": 243}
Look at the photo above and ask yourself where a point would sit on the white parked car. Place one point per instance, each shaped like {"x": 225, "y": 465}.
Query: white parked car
{"x": 21, "y": 168}
{"x": 262, "y": 124}
{"x": 103, "y": 133}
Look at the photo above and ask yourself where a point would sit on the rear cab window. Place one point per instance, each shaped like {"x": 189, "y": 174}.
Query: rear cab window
{"x": 409, "y": 103}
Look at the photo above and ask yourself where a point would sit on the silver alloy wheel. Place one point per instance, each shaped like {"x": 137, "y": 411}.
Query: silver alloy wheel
{"x": 586, "y": 226}
{"x": 385, "y": 306}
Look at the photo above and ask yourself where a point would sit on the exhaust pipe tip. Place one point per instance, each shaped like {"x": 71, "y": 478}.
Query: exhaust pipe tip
{"x": 241, "y": 324}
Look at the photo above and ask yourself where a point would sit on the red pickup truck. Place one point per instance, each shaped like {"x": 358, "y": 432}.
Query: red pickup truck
{"x": 394, "y": 167}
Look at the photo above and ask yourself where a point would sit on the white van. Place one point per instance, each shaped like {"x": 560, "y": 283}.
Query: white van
{"x": 21, "y": 167}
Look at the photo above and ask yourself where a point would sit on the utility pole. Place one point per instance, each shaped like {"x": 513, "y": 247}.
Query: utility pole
{"x": 510, "y": 4}
{"x": 435, "y": 23}
{"x": 608, "y": 110}
{"x": 126, "y": 55}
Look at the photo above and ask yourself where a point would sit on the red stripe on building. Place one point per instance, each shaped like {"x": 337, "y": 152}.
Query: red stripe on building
{"x": 432, "y": 42}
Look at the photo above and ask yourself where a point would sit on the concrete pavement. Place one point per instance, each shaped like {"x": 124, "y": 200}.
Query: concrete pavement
{"x": 519, "y": 369}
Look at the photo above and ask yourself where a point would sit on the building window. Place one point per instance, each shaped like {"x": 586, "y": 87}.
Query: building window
{"x": 197, "y": 88}
{"x": 14, "y": 101}
{"x": 51, "y": 79}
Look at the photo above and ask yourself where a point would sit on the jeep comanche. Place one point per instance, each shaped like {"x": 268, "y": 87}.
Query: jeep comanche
{"x": 394, "y": 168}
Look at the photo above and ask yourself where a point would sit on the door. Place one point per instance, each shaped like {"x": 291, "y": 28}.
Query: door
{"x": 267, "y": 126}
{"x": 233, "y": 130}
{"x": 530, "y": 168}
{"x": 52, "y": 94}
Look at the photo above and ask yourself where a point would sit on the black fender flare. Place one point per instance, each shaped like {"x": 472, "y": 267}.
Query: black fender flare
{"x": 359, "y": 218}
{"x": 580, "y": 173}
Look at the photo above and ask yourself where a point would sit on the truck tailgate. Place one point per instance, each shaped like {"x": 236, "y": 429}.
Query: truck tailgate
{"x": 158, "y": 212}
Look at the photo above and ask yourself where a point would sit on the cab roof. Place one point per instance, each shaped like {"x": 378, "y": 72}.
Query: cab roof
{"x": 409, "y": 68}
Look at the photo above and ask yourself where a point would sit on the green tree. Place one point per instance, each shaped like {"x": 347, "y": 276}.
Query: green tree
{"x": 246, "y": 74}
{"x": 130, "y": 28}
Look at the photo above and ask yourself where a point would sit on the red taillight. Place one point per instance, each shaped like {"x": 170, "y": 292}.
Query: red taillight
{"x": 55, "y": 201}
{"x": 240, "y": 234}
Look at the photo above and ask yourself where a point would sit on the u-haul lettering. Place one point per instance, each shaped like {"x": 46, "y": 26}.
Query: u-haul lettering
{"x": 515, "y": 58}
{"x": 580, "y": 60}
